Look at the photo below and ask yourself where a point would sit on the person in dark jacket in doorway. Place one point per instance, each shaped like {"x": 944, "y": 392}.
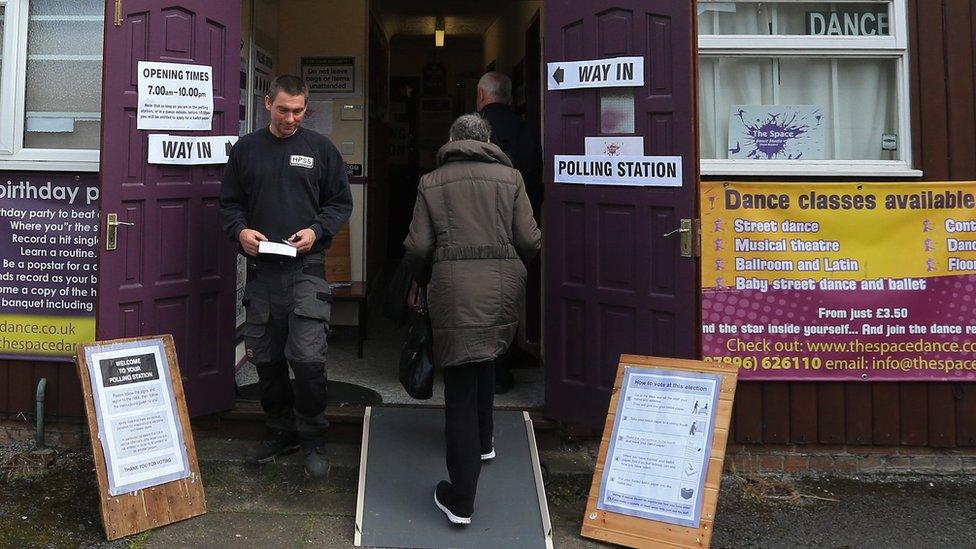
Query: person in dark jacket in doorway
{"x": 471, "y": 234}
{"x": 287, "y": 184}
{"x": 513, "y": 136}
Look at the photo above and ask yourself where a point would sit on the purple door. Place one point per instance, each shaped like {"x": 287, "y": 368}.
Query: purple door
{"x": 614, "y": 283}
{"x": 173, "y": 270}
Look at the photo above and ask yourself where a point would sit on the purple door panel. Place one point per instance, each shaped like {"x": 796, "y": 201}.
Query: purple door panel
{"x": 614, "y": 283}
{"x": 173, "y": 271}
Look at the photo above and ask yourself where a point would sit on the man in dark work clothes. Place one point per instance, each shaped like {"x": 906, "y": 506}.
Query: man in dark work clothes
{"x": 286, "y": 184}
{"x": 513, "y": 136}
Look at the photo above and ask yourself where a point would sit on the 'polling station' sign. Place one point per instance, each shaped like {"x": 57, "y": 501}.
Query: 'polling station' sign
{"x": 639, "y": 171}
{"x": 597, "y": 73}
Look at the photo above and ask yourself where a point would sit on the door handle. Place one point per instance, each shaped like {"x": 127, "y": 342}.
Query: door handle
{"x": 678, "y": 230}
{"x": 111, "y": 232}
{"x": 690, "y": 245}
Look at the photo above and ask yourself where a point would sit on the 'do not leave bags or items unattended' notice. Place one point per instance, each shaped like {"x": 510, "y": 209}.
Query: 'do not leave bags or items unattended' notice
{"x": 138, "y": 418}
{"x": 175, "y": 96}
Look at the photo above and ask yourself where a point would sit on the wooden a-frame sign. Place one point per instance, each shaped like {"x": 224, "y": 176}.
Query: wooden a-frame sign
{"x": 636, "y": 531}
{"x": 153, "y": 506}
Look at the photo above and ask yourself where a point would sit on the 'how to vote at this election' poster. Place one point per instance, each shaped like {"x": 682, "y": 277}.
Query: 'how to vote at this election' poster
{"x": 138, "y": 420}
{"x": 840, "y": 281}
{"x": 658, "y": 454}
{"x": 48, "y": 263}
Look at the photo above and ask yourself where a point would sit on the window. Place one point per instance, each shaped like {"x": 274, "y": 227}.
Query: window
{"x": 804, "y": 88}
{"x": 50, "y": 84}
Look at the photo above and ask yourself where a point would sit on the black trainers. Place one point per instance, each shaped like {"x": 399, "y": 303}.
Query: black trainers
{"x": 442, "y": 500}
{"x": 317, "y": 463}
{"x": 267, "y": 450}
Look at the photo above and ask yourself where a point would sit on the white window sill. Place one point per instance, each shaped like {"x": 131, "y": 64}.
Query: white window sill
{"x": 49, "y": 166}
{"x": 808, "y": 168}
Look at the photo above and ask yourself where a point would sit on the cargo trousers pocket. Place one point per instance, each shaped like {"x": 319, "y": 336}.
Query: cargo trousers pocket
{"x": 257, "y": 343}
{"x": 308, "y": 325}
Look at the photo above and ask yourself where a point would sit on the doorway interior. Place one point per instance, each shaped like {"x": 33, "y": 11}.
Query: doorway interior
{"x": 414, "y": 85}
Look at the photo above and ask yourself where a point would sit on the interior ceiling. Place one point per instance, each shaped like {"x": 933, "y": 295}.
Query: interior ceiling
{"x": 417, "y": 17}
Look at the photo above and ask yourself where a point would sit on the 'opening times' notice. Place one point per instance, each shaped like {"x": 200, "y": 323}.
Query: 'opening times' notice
{"x": 174, "y": 96}
{"x": 658, "y": 454}
{"x": 845, "y": 281}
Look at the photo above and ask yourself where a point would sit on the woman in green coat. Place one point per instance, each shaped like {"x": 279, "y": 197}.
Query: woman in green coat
{"x": 471, "y": 235}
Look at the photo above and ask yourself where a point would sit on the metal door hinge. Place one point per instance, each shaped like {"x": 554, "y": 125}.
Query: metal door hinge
{"x": 118, "y": 13}
{"x": 690, "y": 234}
{"x": 111, "y": 231}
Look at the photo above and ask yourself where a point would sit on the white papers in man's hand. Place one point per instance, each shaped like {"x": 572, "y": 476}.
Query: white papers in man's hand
{"x": 268, "y": 247}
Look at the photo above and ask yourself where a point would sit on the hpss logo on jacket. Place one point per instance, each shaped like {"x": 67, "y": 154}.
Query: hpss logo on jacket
{"x": 302, "y": 161}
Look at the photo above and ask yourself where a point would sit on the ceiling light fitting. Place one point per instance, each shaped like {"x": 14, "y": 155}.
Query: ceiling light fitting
{"x": 439, "y": 32}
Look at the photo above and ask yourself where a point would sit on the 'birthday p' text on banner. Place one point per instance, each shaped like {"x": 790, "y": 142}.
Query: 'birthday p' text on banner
{"x": 840, "y": 281}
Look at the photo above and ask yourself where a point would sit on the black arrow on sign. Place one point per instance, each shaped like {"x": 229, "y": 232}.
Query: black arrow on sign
{"x": 558, "y": 75}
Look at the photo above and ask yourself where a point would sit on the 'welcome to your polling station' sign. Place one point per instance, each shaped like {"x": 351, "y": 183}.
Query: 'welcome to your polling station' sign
{"x": 137, "y": 415}
{"x": 596, "y": 73}
{"x": 187, "y": 151}
{"x": 640, "y": 171}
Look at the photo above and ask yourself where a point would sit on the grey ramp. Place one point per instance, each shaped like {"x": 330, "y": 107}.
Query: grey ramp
{"x": 403, "y": 459}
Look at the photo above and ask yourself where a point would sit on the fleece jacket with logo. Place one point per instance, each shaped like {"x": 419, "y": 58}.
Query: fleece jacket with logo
{"x": 279, "y": 186}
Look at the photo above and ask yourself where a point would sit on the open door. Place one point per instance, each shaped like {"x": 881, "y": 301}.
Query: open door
{"x": 173, "y": 270}
{"x": 614, "y": 283}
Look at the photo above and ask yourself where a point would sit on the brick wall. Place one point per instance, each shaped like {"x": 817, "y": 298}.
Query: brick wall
{"x": 847, "y": 460}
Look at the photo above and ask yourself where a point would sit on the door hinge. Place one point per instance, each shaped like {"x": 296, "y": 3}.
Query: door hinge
{"x": 690, "y": 234}
{"x": 118, "y": 13}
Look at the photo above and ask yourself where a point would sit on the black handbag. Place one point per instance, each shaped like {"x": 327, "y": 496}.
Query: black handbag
{"x": 416, "y": 369}
{"x": 395, "y": 300}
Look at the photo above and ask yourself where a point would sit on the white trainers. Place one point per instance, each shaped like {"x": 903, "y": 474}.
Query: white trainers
{"x": 491, "y": 454}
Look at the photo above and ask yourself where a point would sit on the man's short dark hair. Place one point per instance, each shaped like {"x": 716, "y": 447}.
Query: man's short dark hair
{"x": 288, "y": 83}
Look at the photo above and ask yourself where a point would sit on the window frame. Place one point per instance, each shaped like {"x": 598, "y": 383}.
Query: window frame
{"x": 893, "y": 46}
{"x": 13, "y": 84}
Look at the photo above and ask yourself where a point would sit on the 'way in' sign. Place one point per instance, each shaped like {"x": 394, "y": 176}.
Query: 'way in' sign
{"x": 597, "y": 73}
{"x": 177, "y": 149}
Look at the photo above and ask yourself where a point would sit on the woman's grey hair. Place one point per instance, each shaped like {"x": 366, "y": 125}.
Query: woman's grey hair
{"x": 470, "y": 126}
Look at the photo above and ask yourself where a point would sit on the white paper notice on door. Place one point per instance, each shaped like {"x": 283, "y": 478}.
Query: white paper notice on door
{"x": 613, "y": 146}
{"x": 189, "y": 151}
{"x": 658, "y": 455}
{"x": 636, "y": 171}
{"x": 138, "y": 420}
{"x": 174, "y": 96}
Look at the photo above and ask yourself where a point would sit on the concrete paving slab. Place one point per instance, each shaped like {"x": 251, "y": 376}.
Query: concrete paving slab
{"x": 232, "y": 530}
{"x": 215, "y": 449}
{"x": 331, "y": 532}
{"x": 277, "y": 488}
